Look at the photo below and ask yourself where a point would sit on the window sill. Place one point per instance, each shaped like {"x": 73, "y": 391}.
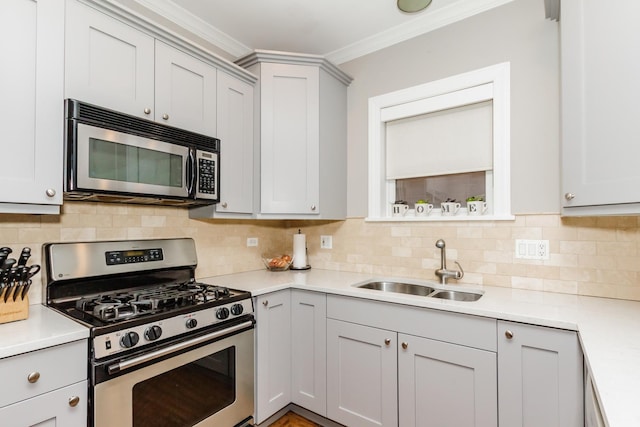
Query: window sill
{"x": 439, "y": 218}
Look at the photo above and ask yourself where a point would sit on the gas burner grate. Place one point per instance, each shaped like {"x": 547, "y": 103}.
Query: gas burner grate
{"x": 127, "y": 305}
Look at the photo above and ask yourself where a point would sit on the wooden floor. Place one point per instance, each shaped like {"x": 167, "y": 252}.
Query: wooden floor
{"x": 291, "y": 419}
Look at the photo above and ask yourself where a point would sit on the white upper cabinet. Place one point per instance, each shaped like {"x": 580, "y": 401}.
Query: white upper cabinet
{"x": 185, "y": 91}
{"x": 108, "y": 63}
{"x": 289, "y": 139}
{"x": 31, "y": 113}
{"x": 600, "y": 89}
{"x": 237, "y": 151}
{"x": 301, "y": 108}
{"x": 114, "y": 65}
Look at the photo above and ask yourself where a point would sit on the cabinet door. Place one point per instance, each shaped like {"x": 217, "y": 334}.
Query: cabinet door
{"x": 185, "y": 91}
{"x": 107, "y": 62}
{"x": 289, "y": 108}
{"x": 50, "y": 409}
{"x": 31, "y": 112}
{"x": 273, "y": 365}
{"x": 309, "y": 350}
{"x": 539, "y": 377}
{"x": 600, "y": 88}
{"x": 361, "y": 375}
{"x": 235, "y": 130}
{"x": 445, "y": 385}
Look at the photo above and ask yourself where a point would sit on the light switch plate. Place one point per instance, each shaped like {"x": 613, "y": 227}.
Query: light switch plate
{"x": 252, "y": 241}
{"x": 532, "y": 249}
{"x": 326, "y": 242}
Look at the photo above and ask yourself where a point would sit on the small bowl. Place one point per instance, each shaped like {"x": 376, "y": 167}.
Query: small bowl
{"x": 277, "y": 262}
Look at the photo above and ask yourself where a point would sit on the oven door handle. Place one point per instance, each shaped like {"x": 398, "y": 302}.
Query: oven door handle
{"x": 135, "y": 361}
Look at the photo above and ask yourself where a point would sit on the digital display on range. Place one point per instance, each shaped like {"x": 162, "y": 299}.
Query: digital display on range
{"x": 129, "y": 257}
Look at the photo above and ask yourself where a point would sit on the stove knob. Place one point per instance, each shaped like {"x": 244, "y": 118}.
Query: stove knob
{"x": 192, "y": 323}
{"x": 129, "y": 339}
{"x": 222, "y": 313}
{"x": 237, "y": 309}
{"x": 153, "y": 333}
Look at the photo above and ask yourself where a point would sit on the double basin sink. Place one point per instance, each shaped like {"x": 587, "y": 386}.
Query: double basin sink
{"x": 421, "y": 290}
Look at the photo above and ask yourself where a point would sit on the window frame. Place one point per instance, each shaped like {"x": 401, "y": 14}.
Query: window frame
{"x": 490, "y": 83}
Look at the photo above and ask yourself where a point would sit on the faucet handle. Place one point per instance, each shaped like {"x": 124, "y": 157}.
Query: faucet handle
{"x": 459, "y": 274}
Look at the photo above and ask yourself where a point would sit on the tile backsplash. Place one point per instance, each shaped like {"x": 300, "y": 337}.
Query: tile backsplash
{"x": 588, "y": 256}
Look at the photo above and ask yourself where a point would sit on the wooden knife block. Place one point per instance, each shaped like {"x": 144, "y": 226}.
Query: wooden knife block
{"x": 11, "y": 311}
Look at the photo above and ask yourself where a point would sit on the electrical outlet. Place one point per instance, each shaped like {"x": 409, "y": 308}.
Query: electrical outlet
{"x": 532, "y": 249}
{"x": 252, "y": 241}
{"x": 326, "y": 242}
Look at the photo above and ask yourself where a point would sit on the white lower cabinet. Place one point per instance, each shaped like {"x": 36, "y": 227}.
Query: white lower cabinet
{"x": 273, "y": 349}
{"x": 540, "y": 376}
{"x": 47, "y": 387}
{"x": 50, "y": 409}
{"x": 445, "y": 385}
{"x": 362, "y": 388}
{"x": 309, "y": 350}
{"x": 384, "y": 367}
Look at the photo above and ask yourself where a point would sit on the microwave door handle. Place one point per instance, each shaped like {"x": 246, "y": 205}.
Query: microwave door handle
{"x": 190, "y": 172}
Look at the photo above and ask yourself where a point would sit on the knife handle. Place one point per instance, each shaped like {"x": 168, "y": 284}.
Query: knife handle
{"x": 24, "y": 256}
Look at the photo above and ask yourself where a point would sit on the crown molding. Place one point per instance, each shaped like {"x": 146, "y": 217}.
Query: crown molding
{"x": 427, "y": 22}
{"x": 192, "y": 23}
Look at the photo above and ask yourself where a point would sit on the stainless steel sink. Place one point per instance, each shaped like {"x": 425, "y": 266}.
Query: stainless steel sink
{"x": 421, "y": 290}
{"x": 457, "y": 295}
{"x": 399, "y": 287}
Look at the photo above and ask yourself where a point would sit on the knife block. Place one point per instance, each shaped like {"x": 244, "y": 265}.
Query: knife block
{"x": 11, "y": 311}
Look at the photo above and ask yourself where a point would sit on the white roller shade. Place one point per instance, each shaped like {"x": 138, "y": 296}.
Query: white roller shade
{"x": 455, "y": 140}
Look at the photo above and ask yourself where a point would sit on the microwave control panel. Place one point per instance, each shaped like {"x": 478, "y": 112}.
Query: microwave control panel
{"x": 207, "y": 174}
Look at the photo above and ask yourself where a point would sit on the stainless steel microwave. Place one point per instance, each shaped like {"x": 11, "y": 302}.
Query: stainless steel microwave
{"x": 115, "y": 157}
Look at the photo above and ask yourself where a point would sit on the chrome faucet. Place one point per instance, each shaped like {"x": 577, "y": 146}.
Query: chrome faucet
{"x": 442, "y": 272}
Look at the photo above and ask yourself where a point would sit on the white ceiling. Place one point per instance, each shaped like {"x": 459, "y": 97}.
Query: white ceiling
{"x": 341, "y": 30}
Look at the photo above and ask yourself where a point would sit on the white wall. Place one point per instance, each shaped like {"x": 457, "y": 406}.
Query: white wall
{"x": 516, "y": 32}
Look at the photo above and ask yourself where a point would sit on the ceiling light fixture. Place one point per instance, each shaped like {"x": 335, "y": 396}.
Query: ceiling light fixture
{"x": 412, "y": 6}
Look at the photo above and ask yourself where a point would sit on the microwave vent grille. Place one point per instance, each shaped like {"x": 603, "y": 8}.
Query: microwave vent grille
{"x": 109, "y": 119}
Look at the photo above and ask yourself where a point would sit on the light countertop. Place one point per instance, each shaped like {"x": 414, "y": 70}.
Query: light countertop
{"x": 43, "y": 328}
{"x": 609, "y": 329}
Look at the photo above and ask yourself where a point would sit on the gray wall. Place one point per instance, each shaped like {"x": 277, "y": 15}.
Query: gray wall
{"x": 516, "y": 32}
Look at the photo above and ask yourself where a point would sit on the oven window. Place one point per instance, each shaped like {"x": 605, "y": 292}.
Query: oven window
{"x": 121, "y": 162}
{"x": 188, "y": 394}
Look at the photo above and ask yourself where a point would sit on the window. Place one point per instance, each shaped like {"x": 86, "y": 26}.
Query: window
{"x": 442, "y": 140}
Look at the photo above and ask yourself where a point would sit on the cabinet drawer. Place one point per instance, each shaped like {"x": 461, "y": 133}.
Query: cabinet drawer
{"x": 53, "y": 408}
{"x": 456, "y": 328}
{"x": 57, "y": 366}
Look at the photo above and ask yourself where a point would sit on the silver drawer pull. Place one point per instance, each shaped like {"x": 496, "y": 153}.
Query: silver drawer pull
{"x": 73, "y": 401}
{"x": 33, "y": 377}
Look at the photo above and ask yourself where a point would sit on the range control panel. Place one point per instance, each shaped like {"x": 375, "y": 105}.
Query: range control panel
{"x": 133, "y": 256}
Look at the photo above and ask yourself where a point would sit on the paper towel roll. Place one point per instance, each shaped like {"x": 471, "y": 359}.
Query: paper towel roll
{"x": 299, "y": 251}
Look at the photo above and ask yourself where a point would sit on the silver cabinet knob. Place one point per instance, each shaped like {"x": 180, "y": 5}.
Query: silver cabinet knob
{"x": 313, "y": 207}
{"x": 405, "y": 345}
{"x": 165, "y": 117}
{"x": 50, "y": 192}
{"x": 33, "y": 377}
{"x": 508, "y": 334}
{"x": 73, "y": 401}
{"x": 265, "y": 302}
{"x": 224, "y": 204}
{"x": 387, "y": 341}
{"x": 569, "y": 196}
{"x": 147, "y": 111}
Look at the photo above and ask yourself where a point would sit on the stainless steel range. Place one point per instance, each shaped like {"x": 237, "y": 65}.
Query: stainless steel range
{"x": 164, "y": 349}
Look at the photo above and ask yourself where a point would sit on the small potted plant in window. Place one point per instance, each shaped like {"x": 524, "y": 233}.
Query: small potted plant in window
{"x": 449, "y": 207}
{"x": 399, "y": 208}
{"x": 423, "y": 207}
{"x": 476, "y": 205}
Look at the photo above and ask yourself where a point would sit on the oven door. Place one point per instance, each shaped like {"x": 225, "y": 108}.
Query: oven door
{"x": 209, "y": 385}
{"x": 111, "y": 161}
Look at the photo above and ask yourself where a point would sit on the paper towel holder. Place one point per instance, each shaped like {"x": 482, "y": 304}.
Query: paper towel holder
{"x": 306, "y": 255}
